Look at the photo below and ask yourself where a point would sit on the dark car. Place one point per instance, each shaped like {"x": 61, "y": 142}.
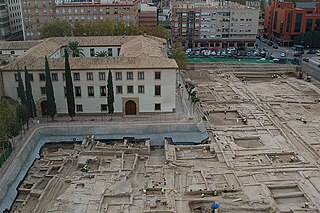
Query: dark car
{"x": 312, "y": 52}
{"x": 270, "y": 43}
{"x": 306, "y": 59}
{"x": 275, "y": 46}
{"x": 297, "y": 54}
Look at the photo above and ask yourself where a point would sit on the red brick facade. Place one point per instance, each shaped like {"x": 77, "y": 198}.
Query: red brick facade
{"x": 284, "y": 20}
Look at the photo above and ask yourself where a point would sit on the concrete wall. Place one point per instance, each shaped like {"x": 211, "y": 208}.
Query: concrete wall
{"x": 10, "y": 180}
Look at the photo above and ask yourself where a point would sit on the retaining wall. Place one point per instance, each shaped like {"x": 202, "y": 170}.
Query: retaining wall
{"x": 30, "y": 150}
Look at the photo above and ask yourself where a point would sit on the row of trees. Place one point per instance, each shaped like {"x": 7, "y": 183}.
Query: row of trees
{"x": 99, "y": 28}
{"x": 310, "y": 39}
{"x": 52, "y": 111}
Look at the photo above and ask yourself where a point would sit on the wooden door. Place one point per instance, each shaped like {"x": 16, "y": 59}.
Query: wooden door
{"x": 131, "y": 108}
{"x": 44, "y": 108}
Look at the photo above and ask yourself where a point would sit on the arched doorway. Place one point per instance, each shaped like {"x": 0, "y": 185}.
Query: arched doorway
{"x": 131, "y": 108}
{"x": 44, "y": 107}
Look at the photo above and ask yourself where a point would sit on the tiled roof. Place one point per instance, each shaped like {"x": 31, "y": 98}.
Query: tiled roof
{"x": 136, "y": 52}
{"x": 18, "y": 45}
{"x": 142, "y": 46}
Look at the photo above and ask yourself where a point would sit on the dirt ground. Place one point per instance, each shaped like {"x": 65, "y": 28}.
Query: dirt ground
{"x": 268, "y": 163}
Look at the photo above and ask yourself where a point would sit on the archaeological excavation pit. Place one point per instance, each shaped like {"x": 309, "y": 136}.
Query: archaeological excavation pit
{"x": 228, "y": 118}
{"x": 252, "y": 142}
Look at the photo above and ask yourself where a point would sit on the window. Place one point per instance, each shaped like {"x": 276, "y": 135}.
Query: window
{"x": 76, "y": 76}
{"x": 157, "y": 107}
{"x": 140, "y": 75}
{"x": 288, "y": 22}
{"x": 130, "y": 89}
{"x": 129, "y": 75}
{"x": 309, "y": 25}
{"x": 103, "y": 91}
{"x": 16, "y": 77}
{"x": 77, "y": 91}
{"x": 157, "y": 75}
{"x": 89, "y": 76}
{"x": 65, "y": 91}
{"x": 297, "y": 25}
{"x": 92, "y": 53}
{"x": 104, "y": 107}
{"x": 119, "y": 89}
{"x": 141, "y": 89}
{"x": 90, "y": 91}
{"x": 12, "y": 52}
{"x": 102, "y": 76}
{"x": 63, "y": 76}
{"x": 43, "y": 90}
{"x": 275, "y": 20}
{"x": 79, "y": 108}
{"x": 30, "y": 77}
{"x": 42, "y": 77}
{"x": 118, "y": 75}
{"x": 157, "y": 90}
{"x": 54, "y": 76}
{"x": 109, "y": 51}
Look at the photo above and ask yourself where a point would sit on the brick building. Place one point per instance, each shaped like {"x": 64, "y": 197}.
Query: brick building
{"x": 37, "y": 13}
{"x": 285, "y": 20}
{"x": 148, "y": 16}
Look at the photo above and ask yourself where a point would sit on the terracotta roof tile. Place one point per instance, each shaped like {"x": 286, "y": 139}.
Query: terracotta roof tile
{"x": 136, "y": 52}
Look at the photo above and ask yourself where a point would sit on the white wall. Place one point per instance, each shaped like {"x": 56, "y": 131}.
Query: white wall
{"x": 93, "y": 104}
{"x": 16, "y": 52}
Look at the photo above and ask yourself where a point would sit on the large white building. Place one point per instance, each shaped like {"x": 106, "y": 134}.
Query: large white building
{"x": 144, "y": 78}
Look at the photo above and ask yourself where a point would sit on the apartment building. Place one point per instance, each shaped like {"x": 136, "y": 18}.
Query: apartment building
{"x": 10, "y": 20}
{"x": 285, "y": 20}
{"x": 144, "y": 78}
{"x": 214, "y": 24}
{"x": 148, "y": 15}
{"x": 37, "y": 13}
{"x": 4, "y": 21}
{"x": 14, "y": 9}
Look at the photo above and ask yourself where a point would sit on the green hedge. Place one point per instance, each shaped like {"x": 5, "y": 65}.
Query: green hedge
{"x": 5, "y": 155}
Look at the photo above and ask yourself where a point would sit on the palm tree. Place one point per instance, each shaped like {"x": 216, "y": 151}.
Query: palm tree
{"x": 102, "y": 53}
{"x": 74, "y": 49}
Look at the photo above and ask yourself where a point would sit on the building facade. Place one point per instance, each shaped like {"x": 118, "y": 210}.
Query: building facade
{"x": 14, "y": 8}
{"x": 144, "y": 78}
{"x": 37, "y": 13}
{"x": 10, "y": 20}
{"x": 214, "y": 24}
{"x": 148, "y": 15}
{"x": 285, "y": 20}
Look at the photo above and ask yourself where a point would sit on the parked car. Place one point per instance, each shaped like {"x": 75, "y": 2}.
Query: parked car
{"x": 297, "y": 54}
{"x": 306, "y": 59}
{"x": 275, "y": 46}
{"x": 318, "y": 53}
{"x": 312, "y": 52}
{"x": 270, "y": 43}
{"x": 283, "y": 55}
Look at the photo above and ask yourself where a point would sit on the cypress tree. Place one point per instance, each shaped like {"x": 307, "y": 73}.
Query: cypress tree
{"x": 52, "y": 110}
{"x": 21, "y": 91}
{"x": 110, "y": 94}
{"x": 30, "y": 101}
{"x": 69, "y": 86}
